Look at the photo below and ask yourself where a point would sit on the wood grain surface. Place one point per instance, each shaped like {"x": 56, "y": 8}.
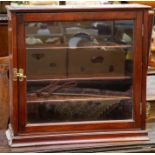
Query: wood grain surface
{"x": 4, "y": 96}
{"x": 111, "y": 147}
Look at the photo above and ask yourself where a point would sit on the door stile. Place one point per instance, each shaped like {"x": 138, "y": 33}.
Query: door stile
{"x": 21, "y": 65}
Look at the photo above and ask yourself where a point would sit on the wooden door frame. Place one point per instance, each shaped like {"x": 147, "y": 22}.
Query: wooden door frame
{"x": 84, "y": 126}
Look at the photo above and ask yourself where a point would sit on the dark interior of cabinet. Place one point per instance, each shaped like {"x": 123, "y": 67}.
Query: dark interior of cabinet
{"x": 79, "y": 100}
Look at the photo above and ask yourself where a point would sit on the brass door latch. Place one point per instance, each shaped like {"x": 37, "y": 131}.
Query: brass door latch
{"x": 18, "y": 74}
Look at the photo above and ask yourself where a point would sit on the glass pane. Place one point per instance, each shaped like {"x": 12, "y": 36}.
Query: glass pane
{"x": 84, "y": 110}
{"x": 79, "y": 100}
{"x": 79, "y": 71}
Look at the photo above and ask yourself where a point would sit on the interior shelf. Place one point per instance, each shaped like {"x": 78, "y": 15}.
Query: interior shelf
{"x": 48, "y": 35}
{"x": 37, "y": 79}
{"x": 48, "y": 46}
{"x": 63, "y": 98}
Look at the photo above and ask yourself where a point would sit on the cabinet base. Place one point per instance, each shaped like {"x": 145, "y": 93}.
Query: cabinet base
{"x": 71, "y": 141}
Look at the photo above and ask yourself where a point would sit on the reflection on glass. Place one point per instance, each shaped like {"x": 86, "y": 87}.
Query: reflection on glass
{"x": 80, "y": 34}
{"x": 79, "y": 71}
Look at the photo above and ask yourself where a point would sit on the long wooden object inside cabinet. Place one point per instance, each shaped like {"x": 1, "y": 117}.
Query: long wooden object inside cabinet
{"x": 77, "y": 75}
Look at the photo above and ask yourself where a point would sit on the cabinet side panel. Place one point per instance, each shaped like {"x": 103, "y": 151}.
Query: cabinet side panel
{"x": 146, "y": 45}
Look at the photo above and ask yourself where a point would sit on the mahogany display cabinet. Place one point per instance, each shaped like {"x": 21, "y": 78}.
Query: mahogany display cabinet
{"x": 77, "y": 74}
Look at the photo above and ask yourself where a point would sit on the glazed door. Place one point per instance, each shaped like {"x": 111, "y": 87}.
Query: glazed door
{"x": 80, "y": 75}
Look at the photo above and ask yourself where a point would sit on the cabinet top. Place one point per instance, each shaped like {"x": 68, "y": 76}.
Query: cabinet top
{"x": 55, "y": 8}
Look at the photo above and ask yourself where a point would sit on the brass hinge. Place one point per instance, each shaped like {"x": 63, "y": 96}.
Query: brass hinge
{"x": 143, "y": 30}
{"x": 140, "y": 108}
{"x": 18, "y": 74}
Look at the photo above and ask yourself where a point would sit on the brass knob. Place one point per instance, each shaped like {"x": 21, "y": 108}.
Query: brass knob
{"x": 21, "y": 74}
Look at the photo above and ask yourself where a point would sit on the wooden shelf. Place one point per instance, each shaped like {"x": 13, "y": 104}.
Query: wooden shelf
{"x": 45, "y": 35}
{"x": 75, "y": 98}
{"x": 37, "y": 79}
{"x": 49, "y": 47}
